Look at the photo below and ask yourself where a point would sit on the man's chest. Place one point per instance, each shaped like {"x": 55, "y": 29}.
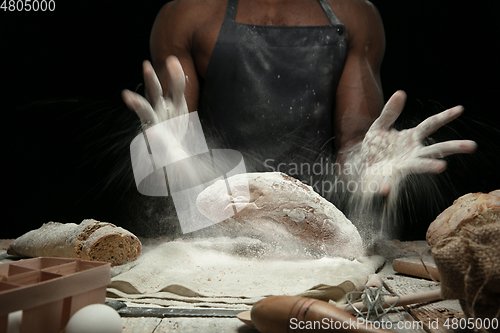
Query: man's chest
{"x": 252, "y": 12}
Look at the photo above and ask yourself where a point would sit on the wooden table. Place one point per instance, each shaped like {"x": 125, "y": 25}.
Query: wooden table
{"x": 429, "y": 317}
{"x": 418, "y": 318}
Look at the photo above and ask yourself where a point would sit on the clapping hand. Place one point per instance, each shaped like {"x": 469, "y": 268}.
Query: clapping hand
{"x": 387, "y": 155}
{"x": 156, "y": 108}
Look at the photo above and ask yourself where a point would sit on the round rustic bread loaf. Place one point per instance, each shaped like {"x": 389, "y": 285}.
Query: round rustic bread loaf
{"x": 473, "y": 209}
{"x": 90, "y": 240}
{"x": 281, "y": 210}
{"x": 464, "y": 244}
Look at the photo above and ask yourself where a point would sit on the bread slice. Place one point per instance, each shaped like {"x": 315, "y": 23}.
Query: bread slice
{"x": 472, "y": 209}
{"x": 90, "y": 240}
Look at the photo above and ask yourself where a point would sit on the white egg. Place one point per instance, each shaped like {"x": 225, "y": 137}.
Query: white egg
{"x": 14, "y": 322}
{"x": 95, "y": 318}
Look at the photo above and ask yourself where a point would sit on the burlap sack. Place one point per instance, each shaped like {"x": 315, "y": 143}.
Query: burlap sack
{"x": 469, "y": 265}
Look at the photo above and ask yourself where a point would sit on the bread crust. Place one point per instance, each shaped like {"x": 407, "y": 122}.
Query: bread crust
{"x": 473, "y": 209}
{"x": 69, "y": 240}
{"x": 282, "y": 210}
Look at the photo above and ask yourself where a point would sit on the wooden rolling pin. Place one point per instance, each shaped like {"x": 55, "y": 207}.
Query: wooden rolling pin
{"x": 427, "y": 296}
{"x": 285, "y": 314}
{"x": 414, "y": 267}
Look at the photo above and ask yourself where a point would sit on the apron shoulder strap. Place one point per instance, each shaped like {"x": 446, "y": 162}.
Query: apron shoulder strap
{"x": 328, "y": 11}
{"x": 232, "y": 5}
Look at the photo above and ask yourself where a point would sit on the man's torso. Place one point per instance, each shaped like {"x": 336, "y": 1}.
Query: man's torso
{"x": 266, "y": 13}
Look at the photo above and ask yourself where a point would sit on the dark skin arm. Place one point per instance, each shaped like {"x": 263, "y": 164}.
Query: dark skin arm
{"x": 359, "y": 94}
{"x": 187, "y": 31}
{"x": 168, "y": 28}
{"x": 183, "y": 38}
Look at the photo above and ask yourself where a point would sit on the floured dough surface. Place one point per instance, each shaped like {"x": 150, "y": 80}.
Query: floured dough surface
{"x": 225, "y": 271}
{"x": 472, "y": 209}
{"x": 281, "y": 210}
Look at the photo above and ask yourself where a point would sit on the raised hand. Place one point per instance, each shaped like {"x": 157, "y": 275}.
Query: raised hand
{"x": 387, "y": 155}
{"x": 156, "y": 108}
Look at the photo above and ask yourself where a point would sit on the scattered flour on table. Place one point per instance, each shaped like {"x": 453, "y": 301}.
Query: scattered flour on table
{"x": 219, "y": 267}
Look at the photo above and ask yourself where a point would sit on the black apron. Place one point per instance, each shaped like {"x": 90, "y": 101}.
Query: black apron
{"x": 269, "y": 92}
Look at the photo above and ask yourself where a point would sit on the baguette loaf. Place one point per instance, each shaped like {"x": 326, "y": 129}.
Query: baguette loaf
{"x": 474, "y": 209}
{"x": 89, "y": 240}
{"x": 283, "y": 211}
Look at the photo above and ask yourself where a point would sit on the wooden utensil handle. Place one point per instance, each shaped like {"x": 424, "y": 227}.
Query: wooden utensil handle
{"x": 407, "y": 267}
{"x": 285, "y": 314}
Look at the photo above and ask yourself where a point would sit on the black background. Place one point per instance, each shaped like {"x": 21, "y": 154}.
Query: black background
{"x": 66, "y": 129}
